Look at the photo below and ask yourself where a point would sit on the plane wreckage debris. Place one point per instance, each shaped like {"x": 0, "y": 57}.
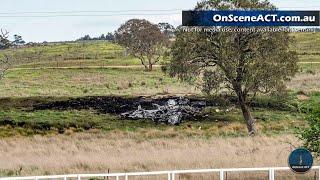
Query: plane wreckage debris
{"x": 172, "y": 112}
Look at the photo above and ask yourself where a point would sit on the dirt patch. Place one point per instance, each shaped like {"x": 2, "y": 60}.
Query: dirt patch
{"x": 303, "y": 97}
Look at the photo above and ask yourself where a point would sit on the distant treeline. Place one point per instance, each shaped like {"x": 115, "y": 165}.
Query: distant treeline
{"x": 109, "y": 37}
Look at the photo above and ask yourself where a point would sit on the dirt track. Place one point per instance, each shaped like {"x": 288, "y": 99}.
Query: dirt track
{"x": 84, "y": 67}
{"x": 107, "y": 67}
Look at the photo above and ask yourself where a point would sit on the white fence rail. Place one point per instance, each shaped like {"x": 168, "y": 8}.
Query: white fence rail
{"x": 171, "y": 174}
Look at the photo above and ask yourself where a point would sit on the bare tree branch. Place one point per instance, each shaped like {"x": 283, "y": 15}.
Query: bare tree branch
{"x": 4, "y": 65}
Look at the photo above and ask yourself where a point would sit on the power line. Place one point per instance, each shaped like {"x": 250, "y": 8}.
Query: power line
{"x": 121, "y": 11}
{"x": 88, "y": 15}
{"x": 40, "y": 14}
{"x": 67, "y": 12}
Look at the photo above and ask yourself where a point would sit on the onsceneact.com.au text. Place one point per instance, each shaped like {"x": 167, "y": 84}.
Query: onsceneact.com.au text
{"x": 263, "y": 18}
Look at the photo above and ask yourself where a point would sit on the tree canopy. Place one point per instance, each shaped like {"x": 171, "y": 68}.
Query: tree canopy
{"x": 143, "y": 40}
{"x": 18, "y": 41}
{"x": 4, "y": 41}
{"x": 167, "y": 29}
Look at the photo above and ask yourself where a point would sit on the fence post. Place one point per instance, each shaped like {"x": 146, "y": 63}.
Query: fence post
{"x": 65, "y": 178}
{"x": 126, "y": 177}
{"x": 271, "y": 174}
{"x": 117, "y": 177}
{"x": 79, "y": 177}
{"x": 173, "y": 176}
{"x": 169, "y": 176}
{"x": 221, "y": 175}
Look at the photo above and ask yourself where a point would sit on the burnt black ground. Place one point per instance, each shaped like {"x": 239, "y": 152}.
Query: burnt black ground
{"x": 104, "y": 104}
{"x": 120, "y": 104}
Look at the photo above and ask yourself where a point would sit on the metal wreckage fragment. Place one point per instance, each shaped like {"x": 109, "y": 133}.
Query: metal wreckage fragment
{"x": 172, "y": 112}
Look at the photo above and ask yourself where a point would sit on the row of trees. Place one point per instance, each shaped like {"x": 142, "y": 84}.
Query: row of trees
{"x": 108, "y": 37}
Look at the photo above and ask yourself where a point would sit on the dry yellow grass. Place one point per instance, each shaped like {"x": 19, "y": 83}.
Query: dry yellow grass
{"x": 97, "y": 152}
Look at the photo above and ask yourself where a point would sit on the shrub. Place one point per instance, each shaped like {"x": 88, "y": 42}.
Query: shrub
{"x": 311, "y": 134}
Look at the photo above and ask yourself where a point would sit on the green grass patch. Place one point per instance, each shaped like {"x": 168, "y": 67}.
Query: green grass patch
{"x": 18, "y": 122}
{"x": 93, "y": 50}
{"x": 70, "y": 54}
{"x": 126, "y": 61}
{"x": 309, "y": 68}
{"x": 94, "y": 82}
{"x": 50, "y": 121}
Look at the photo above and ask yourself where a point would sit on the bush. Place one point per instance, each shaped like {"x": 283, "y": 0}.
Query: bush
{"x": 311, "y": 134}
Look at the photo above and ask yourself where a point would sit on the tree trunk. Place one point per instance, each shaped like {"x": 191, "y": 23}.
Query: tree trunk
{"x": 247, "y": 115}
{"x": 150, "y": 64}
{"x": 249, "y": 119}
{"x": 146, "y": 68}
{"x": 150, "y": 67}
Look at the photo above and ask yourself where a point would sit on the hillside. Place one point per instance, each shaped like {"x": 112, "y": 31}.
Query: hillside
{"x": 83, "y": 53}
{"x": 307, "y": 45}
{"x": 103, "y": 53}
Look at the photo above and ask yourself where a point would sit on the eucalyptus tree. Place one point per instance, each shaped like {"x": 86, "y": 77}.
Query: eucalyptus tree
{"x": 245, "y": 63}
{"x": 143, "y": 40}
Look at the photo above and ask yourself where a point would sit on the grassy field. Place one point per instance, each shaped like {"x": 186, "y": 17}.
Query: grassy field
{"x": 87, "y": 53}
{"x": 90, "y": 153}
{"x": 85, "y": 82}
{"x": 26, "y": 123}
{"x": 30, "y": 86}
{"x": 53, "y": 52}
{"x": 22, "y": 81}
{"x": 33, "y": 139}
{"x": 115, "y": 81}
